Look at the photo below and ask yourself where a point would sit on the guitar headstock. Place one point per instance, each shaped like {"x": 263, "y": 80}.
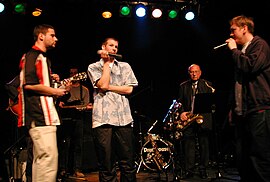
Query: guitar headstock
{"x": 78, "y": 76}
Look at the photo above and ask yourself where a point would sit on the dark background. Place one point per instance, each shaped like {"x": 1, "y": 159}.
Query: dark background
{"x": 159, "y": 51}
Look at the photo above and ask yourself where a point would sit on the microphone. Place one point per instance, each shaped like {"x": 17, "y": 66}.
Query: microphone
{"x": 174, "y": 101}
{"x": 117, "y": 56}
{"x": 220, "y": 46}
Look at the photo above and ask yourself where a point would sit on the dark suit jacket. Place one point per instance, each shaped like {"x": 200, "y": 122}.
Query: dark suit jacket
{"x": 185, "y": 98}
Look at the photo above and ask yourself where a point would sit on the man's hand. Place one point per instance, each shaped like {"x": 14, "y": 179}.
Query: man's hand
{"x": 55, "y": 77}
{"x": 184, "y": 116}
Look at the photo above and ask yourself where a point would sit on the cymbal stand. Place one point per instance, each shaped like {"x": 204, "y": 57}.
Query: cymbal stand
{"x": 13, "y": 152}
{"x": 141, "y": 146}
{"x": 141, "y": 142}
{"x": 149, "y": 130}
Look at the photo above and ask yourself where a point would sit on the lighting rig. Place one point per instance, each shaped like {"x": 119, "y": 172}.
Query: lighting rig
{"x": 162, "y": 9}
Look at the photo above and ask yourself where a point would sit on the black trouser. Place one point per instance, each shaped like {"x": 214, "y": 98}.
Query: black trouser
{"x": 189, "y": 140}
{"x": 115, "y": 143}
{"x": 255, "y": 148}
{"x": 70, "y": 143}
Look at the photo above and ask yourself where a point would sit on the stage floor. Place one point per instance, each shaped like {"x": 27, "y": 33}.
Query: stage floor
{"x": 226, "y": 175}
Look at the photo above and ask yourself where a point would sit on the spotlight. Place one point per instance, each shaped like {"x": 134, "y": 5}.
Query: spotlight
{"x": 106, "y": 14}
{"x": 2, "y": 7}
{"x": 172, "y": 14}
{"x": 37, "y": 12}
{"x": 140, "y": 10}
{"x": 125, "y": 11}
{"x": 20, "y": 8}
{"x": 156, "y": 13}
{"x": 189, "y": 15}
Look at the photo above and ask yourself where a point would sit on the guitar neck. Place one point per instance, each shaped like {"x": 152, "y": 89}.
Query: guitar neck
{"x": 77, "y": 77}
{"x": 78, "y": 107}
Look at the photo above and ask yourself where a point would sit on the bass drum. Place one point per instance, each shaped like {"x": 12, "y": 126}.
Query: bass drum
{"x": 147, "y": 154}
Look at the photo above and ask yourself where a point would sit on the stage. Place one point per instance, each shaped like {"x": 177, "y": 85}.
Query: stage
{"x": 227, "y": 175}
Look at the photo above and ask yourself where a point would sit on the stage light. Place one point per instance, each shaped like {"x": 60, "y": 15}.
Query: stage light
{"x": 172, "y": 14}
{"x": 156, "y": 13}
{"x": 19, "y": 8}
{"x": 37, "y": 12}
{"x": 125, "y": 11}
{"x": 2, "y": 7}
{"x": 140, "y": 10}
{"x": 189, "y": 15}
{"x": 106, "y": 14}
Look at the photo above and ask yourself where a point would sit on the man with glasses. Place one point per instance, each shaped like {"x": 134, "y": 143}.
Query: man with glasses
{"x": 187, "y": 91}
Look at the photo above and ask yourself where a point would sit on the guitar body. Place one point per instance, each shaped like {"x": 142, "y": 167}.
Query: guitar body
{"x": 13, "y": 107}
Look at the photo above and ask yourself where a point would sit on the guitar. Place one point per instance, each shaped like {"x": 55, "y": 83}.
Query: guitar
{"x": 77, "y": 77}
{"x": 78, "y": 107}
{"x": 14, "y": 108}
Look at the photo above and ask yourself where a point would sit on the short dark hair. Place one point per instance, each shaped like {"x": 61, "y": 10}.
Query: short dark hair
{"x": 43, "y": 28}
{"x": 109, "y": 38}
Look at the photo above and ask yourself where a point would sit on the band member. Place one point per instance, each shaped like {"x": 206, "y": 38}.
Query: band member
{"x": 70, "y": 133}
{"x": 251, "y": 58}
{"x": 187, "y": 91}
{"x": 36, "y": 103}
{"x": 113, "y": 80}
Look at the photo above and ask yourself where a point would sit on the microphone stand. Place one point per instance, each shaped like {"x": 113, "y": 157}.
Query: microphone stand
{"x": 170, "y": 111}
{"x": 141, "y": 146}
{"x": 217, "y": 141}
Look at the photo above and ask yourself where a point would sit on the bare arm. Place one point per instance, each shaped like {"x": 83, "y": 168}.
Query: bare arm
{"x": 125, "y": 89}
{"x": 45, "y": 90}
{"x": 104, "y": 82}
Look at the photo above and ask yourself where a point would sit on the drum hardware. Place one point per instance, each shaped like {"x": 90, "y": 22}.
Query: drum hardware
{"x": 173, "y": 115}
{"x": 149, "y": 130}
{"x": 152, "y": 136}
{"x": 138, "y": 160}
{"x": 148, "y": 134}
{"x": 15, "y": 160}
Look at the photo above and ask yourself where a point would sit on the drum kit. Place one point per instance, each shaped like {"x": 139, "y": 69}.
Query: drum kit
{"x": 156, "y": 153}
